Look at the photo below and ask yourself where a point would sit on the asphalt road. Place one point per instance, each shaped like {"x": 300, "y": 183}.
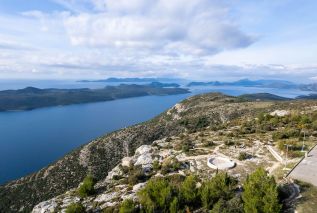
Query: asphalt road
{"x": 306, "y": 170}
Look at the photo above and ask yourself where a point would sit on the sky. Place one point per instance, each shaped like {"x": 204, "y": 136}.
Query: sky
{"x": 192, "y": 39}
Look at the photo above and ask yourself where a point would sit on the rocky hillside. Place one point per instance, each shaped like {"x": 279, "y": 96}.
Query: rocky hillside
{"x": 209, "y": 121}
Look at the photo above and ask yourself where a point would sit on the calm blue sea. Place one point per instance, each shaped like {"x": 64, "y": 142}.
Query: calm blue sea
{"x": 30, "y": 140}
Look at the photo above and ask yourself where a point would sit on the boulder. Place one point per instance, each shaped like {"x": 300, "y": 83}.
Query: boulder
{"x": 45, "y": 207}
{"x": 138, "y": 187}
{"x": 116, "y": 171}
{"x": 127, "y": 162}
{"x": 145, "y": 160}
{"x": 143, "y": 150}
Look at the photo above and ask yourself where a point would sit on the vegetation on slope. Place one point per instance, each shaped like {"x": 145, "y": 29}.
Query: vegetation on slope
{"x": 219, "y": 194}
{"x": 31, "y": 98}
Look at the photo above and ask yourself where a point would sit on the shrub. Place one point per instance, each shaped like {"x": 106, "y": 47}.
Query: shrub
{"x": 234, "y": 205}
{"x": 87, "y": 187}
{"x": 208, "y": 143}
{"x": 174, "y": 206}
{"x": 170, "y": 165}
{"x": 156, "y": 195}
{"x": 128, "y": 206}
{"x": 136, "y": 176}
{"x": 195, "y": 124}
{"x": 110, "y": 209}
{"x": 314, "y": 125}
{"x": 243, "y": 156}
{"x": 260, "y": 193}
{"x": 285, "y": 134}
{"x": 75, "y": 208}
{"x": 189, "y": 191}
{"x": 229, "y": 143}
{"x": 202, "y": 122}
{"x": 187, "y": 145}
{"x": 219, "y": 187}
{"x": 156, "y": 165}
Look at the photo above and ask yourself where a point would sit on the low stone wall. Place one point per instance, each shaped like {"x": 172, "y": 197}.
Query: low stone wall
{"x": 216, "y": 162}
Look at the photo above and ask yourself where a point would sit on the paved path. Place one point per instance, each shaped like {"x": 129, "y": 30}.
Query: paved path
{"x": 306, "y": 170}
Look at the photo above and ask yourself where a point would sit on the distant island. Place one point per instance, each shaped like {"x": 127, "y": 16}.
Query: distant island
{"x": 248, "y": 83}
{"x": 263, "y": 97}
{"x": 130, "y": 80}
{"x": 278, "y": 84}
{"x": 32, "y": 98}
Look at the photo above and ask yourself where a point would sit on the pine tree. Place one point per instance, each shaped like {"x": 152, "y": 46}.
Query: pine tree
{"x": 260, "y": 193}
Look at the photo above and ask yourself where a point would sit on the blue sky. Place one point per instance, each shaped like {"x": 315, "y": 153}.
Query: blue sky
{"x": 195, "y": 39}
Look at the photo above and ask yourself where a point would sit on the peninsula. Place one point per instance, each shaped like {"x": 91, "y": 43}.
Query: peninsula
{"x": 31, "y": 98}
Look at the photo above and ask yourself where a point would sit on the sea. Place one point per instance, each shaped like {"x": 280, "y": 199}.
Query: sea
{"x": 31, "y": 140}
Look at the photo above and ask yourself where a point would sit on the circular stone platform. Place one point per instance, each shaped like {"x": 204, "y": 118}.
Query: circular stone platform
{"x": 216, "y": 162}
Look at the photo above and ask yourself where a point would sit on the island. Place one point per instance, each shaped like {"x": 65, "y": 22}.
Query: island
{"x": 31, "y": 98}
{"x": 262, "y": 83}
{"x": 130, "y": 80}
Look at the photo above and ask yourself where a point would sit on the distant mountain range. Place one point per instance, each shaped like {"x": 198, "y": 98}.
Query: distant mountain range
{"x": 279, "y": 84}
{"x": 131, "y": 80}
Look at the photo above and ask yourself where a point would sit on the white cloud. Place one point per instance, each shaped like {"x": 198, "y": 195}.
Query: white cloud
{"x": 203, "y": 39}
{"x": 177, "y": 27}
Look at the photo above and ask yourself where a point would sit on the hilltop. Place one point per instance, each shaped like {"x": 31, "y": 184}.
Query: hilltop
{"x": 179, "y": 141}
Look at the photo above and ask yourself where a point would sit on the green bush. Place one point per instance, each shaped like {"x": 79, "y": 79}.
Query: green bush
{"x": 243, "y": 156}
{"x": 128, "y": 206}
{"x": 314, "y": 125}
{"x": 195, "y": 124}
{"x": 136, "y": 176}
{"x": 219, "y": 187}
{"x": 285, "y": 134}
{"x": 174, "y": 206}
{"x": 187, "y": 145}
{"x": 189, "y": 191}
{"x": 111, "y": 209}
{"x": 260, "y": 193}
{"x": 208, "y": 143}
{"x": 156, "y": 195}
{"x": 156, "y": 165}
{"x": 235, "y": 205}
{"x": 75, "y": 208}
{"x": 170, "y": 165}
{"x": 202, "y": 122}
{"x": 87, "y": 187}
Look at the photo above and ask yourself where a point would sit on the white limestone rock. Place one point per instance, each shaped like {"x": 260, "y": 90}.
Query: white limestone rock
{"x": 165, "y": 153}
{"x": 144, "y": 149}
{"x": 145, "y": 160}
{"x": 127, "y": 161}
{"x": 45, "y": 207}
{"x": 116, "y": 171}
{"x": 138, "y": 187}
{"x": 280, "y": 113}
{"x": 69, "y": 200}
{"x": 108, "y": 204}
{"x": 106, "y": 197}
{"x": 144, "y": 157}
